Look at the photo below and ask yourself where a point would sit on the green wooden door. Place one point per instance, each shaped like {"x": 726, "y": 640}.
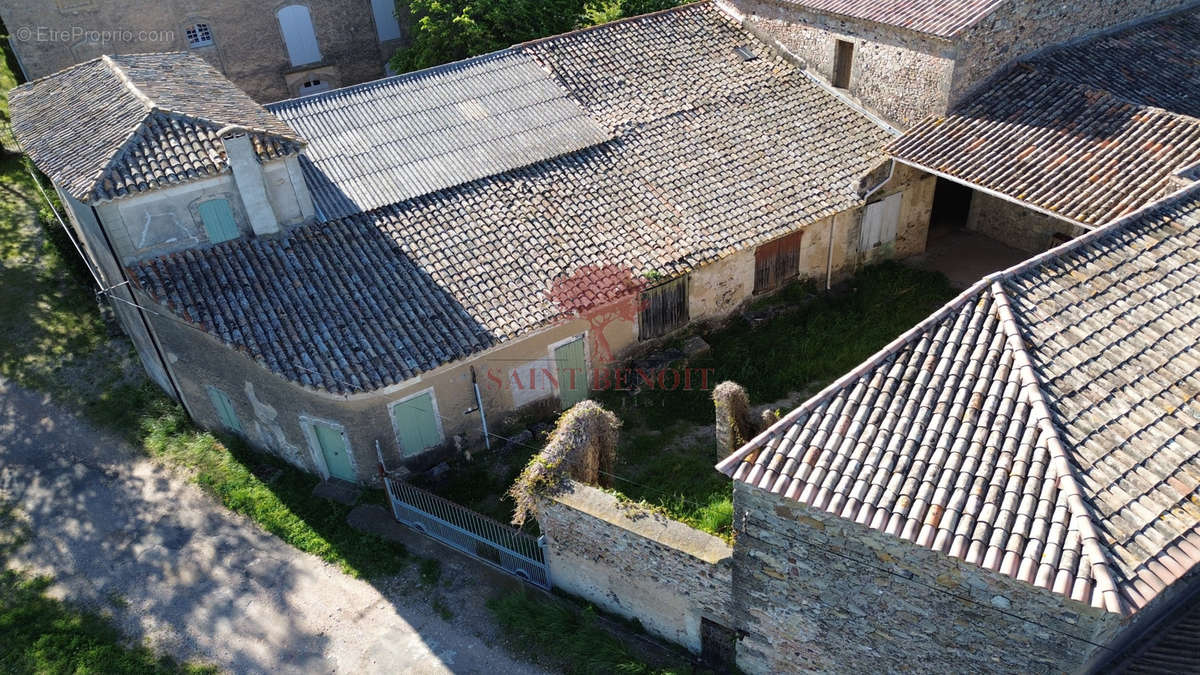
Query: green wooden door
{"x": 224, "y": 409}
{"x": 416, "y": 424}
{"x": 572, "y": 372}
{"x": 335, "y": 450}
{"x": 219, "y": 224}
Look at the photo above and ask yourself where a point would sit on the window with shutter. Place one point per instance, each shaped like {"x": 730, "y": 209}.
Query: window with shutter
{"x": 777, "y": 262}
{"x": 880, "y": 221}
{"x": 218, "y": 220}
{"x": 416, "y": 423}
{"x": 299, "y": 36}
{"x": 664, "y": 308}
{"x": 224, "y": 408}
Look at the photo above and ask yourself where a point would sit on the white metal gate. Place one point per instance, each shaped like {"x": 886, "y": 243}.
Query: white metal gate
{"x": 472, "y": 533}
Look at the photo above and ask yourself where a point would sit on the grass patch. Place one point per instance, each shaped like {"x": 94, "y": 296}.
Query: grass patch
{"x": 53, "y": 339}
{"x": 285, "y": 507}
{"x": 44, "y": 635}
{"x": 663, "y": 459}
{"x": 570, "y": 638}
{"x": 40, "y": 634}
{"x": 430, "y": 571}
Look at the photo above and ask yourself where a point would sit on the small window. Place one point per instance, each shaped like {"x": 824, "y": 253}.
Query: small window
{"x": 664, "y": 308}
{"x": 224, "y": 408}
{"x": 776, "y": 262}
{"x": 218, "y": 220}
{"x": 313, "y": 86}
{"x": 199, "y": 35}
{"x": 843, "y": 60}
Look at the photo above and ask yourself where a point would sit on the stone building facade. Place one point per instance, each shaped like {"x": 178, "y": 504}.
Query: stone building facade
{"x": 907, "y": 74}
{"x": 272, "y": 51}
{"x": 815, "y": 592}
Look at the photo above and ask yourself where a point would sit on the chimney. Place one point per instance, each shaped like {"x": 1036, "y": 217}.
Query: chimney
{"x": 247, "y": 173}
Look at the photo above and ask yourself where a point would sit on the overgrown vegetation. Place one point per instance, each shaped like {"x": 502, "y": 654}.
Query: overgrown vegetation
{"x": 667, "y": 451}
{"x": 582, "y": 447}
{"x": 571, "y": 639}
{"x": 450, "y": 30}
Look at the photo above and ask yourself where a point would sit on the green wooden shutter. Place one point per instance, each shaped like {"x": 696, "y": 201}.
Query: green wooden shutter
{"x": 416, "y": 424}
{"x": 572, "y": 373}
{"x": 224, "y": 409}
{"x": 335, "y": 450}
{"x": 219, "y": 224}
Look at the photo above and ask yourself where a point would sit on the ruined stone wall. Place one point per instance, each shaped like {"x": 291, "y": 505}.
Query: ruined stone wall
{"x": 813, "y": 591}
{"x": 1016, "y": 225}
{"x": 1018, "y": 29}
{"x": 902, "y": 75}
{"x": 636, "y": 563}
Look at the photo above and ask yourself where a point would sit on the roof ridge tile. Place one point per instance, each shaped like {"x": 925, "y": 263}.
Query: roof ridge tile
{"x": 1101, "y": 571}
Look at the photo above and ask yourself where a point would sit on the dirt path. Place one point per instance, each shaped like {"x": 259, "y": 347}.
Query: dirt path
{"x": 121, "y": 533}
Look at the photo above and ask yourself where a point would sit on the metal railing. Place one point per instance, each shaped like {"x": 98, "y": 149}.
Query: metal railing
{"x": 472, "y": 533}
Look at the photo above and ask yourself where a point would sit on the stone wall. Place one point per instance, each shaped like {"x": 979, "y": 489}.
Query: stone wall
{"x": 248, "y": 47}
{"x": 636, "y": 563}
{"x": 813, "y": 591}
{"x": 1018, "y": 29}
{"x": 902, "y": 75}
{"x": 1016, "y": 225}
{"x": 272, "y": 410}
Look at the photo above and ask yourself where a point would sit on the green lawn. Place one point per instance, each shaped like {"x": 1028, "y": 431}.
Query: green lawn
{"x": 667, "y": 449}
{"x": 44, "y": 635}
{"x": 664, "y": 461}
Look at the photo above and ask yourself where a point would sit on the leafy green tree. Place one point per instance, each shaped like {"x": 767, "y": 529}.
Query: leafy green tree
{"x": 635, "y": 7}
{"x": 449, "y": 30}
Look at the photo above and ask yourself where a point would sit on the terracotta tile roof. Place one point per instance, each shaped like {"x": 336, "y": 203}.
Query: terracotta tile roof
{"x": 397, "y": 138}
{"x": 943, "y": 18}
{"x": 1088, "y": 132}
{"x": 711, "y": 153}
{"x": 119, "y": 125}
{"x": 1166, "y": 649}
{"x": 1043, "y": 425}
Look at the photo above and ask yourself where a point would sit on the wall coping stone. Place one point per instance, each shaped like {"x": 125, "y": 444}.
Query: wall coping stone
{"x": 644, "y": 523}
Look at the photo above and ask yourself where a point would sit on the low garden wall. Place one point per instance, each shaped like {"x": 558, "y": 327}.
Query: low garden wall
{"x": 637, "y": 564}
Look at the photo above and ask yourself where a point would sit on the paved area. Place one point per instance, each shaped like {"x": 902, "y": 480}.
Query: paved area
{"x": 121, "y": 532}
{"x": 966, "y": 257}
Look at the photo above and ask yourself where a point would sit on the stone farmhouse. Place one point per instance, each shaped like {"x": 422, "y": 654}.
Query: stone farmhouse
{"x": 369, "y": 266}
{"x": 270, "y": 50}
{"x": 1011, "y": 486}
{"x": 1032, "y": 447}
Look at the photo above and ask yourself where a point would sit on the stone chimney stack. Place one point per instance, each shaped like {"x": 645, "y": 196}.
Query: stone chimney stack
{"x": 248, "y": 175}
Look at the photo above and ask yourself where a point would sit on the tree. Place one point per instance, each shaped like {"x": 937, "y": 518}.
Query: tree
{"x": 449, "y": 30}
{"x": 636, "y": 7}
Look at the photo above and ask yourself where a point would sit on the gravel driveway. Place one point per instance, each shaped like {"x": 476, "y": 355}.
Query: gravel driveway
{"x": 122, "y": 533}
